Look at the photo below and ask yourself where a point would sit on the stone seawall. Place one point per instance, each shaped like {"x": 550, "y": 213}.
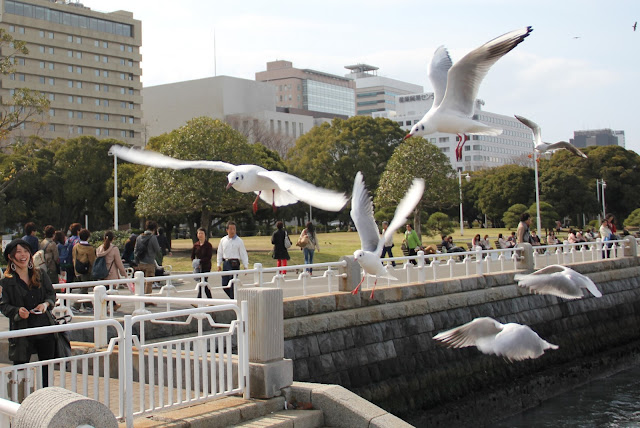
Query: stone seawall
{"x": 382, "y": 349}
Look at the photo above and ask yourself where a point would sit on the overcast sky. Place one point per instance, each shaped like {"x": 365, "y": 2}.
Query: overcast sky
{"x": 579, "y": 69}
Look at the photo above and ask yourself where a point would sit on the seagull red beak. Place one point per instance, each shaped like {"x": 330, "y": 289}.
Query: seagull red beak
{"x": 406, "y": 136}
{"x": 229, "y": 185}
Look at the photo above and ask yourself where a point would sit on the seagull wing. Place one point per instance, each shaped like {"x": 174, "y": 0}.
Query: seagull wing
{"x": 157, "y": 160}
{"x": 583, "y": 281}
{"x": 537, "y": 133}
{"x": 469, "y": 334}
{"x": 438, "y": 69}
{"x": 465, "y": 76}
{"x": 518, "y": 342}
{"x": 567, "y": 146}
{"x": 552, "y": 280}
{"x": 324, "y": 199}
{"x": 362, "y": 215}
{"x": 404, "y": 209}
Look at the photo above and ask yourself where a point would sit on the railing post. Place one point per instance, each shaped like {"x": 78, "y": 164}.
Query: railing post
{"x": 352, "y": 270}
{"x": 479, "y": 260}
{"x": 526, "y": 260}
{"x": 422, "y": 274}
{"x": 257, "y": 276}
{"x": 599, "y": 249}
{"x": 138, "y": 281}
{"x": 99, "y": 313}
{"x": 630, "y": 246}
{"x": 127, "y": 341}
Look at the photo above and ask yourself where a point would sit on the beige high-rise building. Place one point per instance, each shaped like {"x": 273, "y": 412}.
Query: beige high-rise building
{"x": 87, "y": 63}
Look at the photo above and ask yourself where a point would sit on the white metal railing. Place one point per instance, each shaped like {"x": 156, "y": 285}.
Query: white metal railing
{"x": 168, "y": 373}
{"x": 567, "y": 253}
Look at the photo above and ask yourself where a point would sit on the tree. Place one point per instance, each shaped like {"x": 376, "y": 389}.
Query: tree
{"x": 511, "y": 217}
{"x": 504, "y": 186}
{"x": 633, "y": 219}
{"x": 439, "y": 224}
{"x": 548, "y": 216}
{"x": 554, "y": 183}
{"x": 416, "y": 157}
{"x": 192, "y": 192}
{"x": 24, "y": 104}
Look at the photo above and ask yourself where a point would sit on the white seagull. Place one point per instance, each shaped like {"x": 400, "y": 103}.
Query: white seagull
{"x": 541, "y": 147}
{"x": 456, "y": 87}
{"x": 371, "y": 241}
{"x": 515, "y": 342}
{"x": 274, "y": 187}
{"x": 558, "y": 280}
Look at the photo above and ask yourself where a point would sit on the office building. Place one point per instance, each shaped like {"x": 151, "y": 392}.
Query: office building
{"x": 311, "y": 90}
{"x": 377, "y": 93}
{"x": 86, "y": 63}
{"x": 598, "y": 137}
{"x": 514, "y": 145}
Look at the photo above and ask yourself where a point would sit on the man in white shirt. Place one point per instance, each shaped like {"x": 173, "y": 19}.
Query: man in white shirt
{"x": 231, "y": 252}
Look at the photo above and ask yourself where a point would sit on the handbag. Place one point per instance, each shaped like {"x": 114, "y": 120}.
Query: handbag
{"x": 303, "y": 241}
{"x": 287, "y": 241}
{"x": 62, "y": 342}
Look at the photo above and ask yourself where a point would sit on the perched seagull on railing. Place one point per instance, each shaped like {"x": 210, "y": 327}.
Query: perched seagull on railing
{"x": 274, "y": 187}
{"x": 541, "y": 147}
{"x": 515, "y": 342}
{"x": 558, "y": 280}
{"x": 455, "y": 89}
{"x": 370, "y": 239}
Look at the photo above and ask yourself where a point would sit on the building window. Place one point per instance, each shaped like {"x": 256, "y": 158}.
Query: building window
{"x": 105, "y": 88}
{"x": 52, "y": 112}
{"x": 96, "y": 72}
{"x": 105, "y": 59}
{"x": 52, "y": 127}
{"x": 443, "y": 140}
{"x": 79, "y": 40}
{"x": 105, "y": 73}
{"x": 79, "y": 99}
{"x": 97, "y": 132}
{"x": 79, "y": 70}
{"x": 70, "y": 54}
{"x": 70, "y": 39}
{"x": 51, "y": 50}
{"x": 70, "y": 83}
{"x": 70, "y": 114}
{"x": 79, "y": 55}
{"x": 79, "y": 114}
{"x": 80, "y": 130}
{"x": 105, "y": 103}
{"x": 96, "y": 43}
{"x": 42, "y": 80}
{"x": 79, "y": 85}
{"x": 96, "y": 57}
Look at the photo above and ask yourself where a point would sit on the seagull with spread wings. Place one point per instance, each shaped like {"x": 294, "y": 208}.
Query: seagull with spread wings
{"x": 455, "y": 89}
{"x": 541, "y": 147}
{"x": 558, "y": 280}
{"x": 371, "y": 241}
{"x": 274, "y": 187}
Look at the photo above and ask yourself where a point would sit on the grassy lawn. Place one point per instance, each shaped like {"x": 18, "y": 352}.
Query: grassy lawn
{"x": 332, "y": 247}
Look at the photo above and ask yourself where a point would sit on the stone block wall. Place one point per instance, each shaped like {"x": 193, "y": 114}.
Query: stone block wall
{"x": 382, "y": 349}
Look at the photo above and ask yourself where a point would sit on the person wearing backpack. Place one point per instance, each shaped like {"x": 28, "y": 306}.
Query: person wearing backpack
{"x": 83, "y": 255}
{"x": 111, "y": 255}
{"x": 50, "y": 253}
{"x": 64, "y": 256}
{"x": 146, "y": 251}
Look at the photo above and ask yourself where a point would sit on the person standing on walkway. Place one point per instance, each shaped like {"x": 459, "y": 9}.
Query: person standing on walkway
{"x": 524, "y": 235}
{"x": 280, "y": 252}
{"x": 413, "y": 242}
{"x": 231, "y": 252}
{"x": 111, "y": 255}
{"x": 51, "y": 256}
{"x": 165, "y": 245}
{"x": 201, "y": 254}
{"x": 388, "y": 244}
{"x": 83, "y": 255}
{"x": 27, "y": 294}
{"x": 30, "y": 236}
{"x": 308, "y": 242}
{"x": 146, "y": 253}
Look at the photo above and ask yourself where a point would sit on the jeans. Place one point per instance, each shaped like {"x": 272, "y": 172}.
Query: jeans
{"x": 387, "y": 250}
{"x": 226, "y": 265}
{"x": 308, "y": 258}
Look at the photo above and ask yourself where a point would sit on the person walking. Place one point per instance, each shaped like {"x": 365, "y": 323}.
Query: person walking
{"x": 51, "y": 256}
{"x": 111, "y": 255}
{"x": 201, "y": 254}
{"x": 278, "y": 240}
{"x": 146, "y": 252}
{"x": 64, "y": 257}
{"x": 388, "y": 244}
{"x": 413, "y": 242}
{"x": 308, "y": 243}
{"x": 524, "y": 236}
{"x": 27, "y": 294}
{"x": 83, "y": 255}
{"x": 30, "y": 236}
{"x": 165, "y": 245}
{"x": 231, "y": 252}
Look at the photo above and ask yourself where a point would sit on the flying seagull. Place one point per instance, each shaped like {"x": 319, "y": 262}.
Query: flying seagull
{"x": 635, "y": 25}
{"x": 456, "y": 87}
{"x": 541, "y": 147}
{"x": 558, "y": 280}
{"x": 274, "y": 187}
{"x": 371, "y": 241}
{"x": 515, "y": 342}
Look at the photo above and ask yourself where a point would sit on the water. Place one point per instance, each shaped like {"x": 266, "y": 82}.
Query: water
{"x": 609, "y": 402}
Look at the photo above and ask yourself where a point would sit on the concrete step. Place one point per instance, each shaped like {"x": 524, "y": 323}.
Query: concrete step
{"x": 287, "y": 419}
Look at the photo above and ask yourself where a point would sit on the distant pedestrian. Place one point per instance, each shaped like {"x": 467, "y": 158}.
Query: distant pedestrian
{"x": 30, "y": 237}
{"x": 413, "y": 242}
{"x": 146, "y": 252}
{"x": 65, "y": 259}
{"x": 231, "y": 252}
{"x": 51, "y": 256}
{"x": 524, "y": 235}
{"x": 165, "y": 245}
{"x": 111, "y": 253}
{"x": 280, "y": 252}
{"x": 388, "y": 244}
{"x": 74, "y": 239}
{"x": 308, "y": 243}
{"x": 201, "y": 255}
{"x": 83, "y": 255}
{"x": 127, "y": 253}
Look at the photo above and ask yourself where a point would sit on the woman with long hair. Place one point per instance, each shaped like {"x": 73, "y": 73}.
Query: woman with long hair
{"x": 111, "y": 253}
{"x": 27, "y": 294}
{"x": 311, "y": 246}
{"x": 202, "y": 251}
{"x": 280, "y": 252}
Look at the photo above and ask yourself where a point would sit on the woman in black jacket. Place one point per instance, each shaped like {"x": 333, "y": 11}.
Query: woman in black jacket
{"x": 27, "y": 294}
{"x": 280, "y": 252}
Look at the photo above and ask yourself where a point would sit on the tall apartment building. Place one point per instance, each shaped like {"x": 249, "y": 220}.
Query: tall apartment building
{"x": 87, "y": 63}
{"x": 311, "y": 90}
{"x": 598, "y": 137}
{"x": 514, "y": 145}
{"x": 377, "y": 93}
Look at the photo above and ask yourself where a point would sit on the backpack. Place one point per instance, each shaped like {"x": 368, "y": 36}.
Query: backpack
{"x": 140, "y": 250}
{"x": 100, "y": 270}
{"x": 39, "y": 260}
{"x": 82, "y": 267}
{"x": 64, "y": 251}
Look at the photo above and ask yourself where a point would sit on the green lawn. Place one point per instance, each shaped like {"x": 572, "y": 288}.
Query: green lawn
{"x": 332, "y": 247}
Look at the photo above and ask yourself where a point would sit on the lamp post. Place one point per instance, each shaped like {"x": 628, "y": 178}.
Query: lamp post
{"x": 600, "y": 186}
{"x": 535, "y": 167}
{"x": 115, "y": 190}
{"x": 468, "y": 178}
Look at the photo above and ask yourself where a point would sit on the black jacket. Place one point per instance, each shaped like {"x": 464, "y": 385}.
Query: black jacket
{"x": 12, "y": 300}
{"x": 279, "y": 250}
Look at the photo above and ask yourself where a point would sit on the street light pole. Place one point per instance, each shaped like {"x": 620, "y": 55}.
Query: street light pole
{"x": 600, "y": 186}
{"x": 115, "y": 190}
{"x": 468, "y": 178}
{"x": 535, "y": 164}
{"x": 604, "y": 210}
